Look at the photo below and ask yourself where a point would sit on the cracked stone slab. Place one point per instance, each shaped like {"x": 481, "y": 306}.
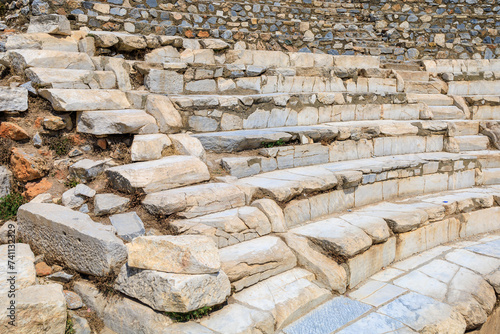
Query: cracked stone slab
{"x": 422, "y": 313}
{"x": 336, "y": 236}
{"x": 195, "y": 201}
{"x": 252, "y": 261}
{"x": 328, "y": 317}
{"x": 287, "y": 296}
{"x": 375, "y": 323}
{"x": 157, "y": 175}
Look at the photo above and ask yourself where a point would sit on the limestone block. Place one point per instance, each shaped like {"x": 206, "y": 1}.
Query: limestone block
{"x": 330, "y": 274}
{"x": 252, "y": 261}
{"x": 287, "y": 296}
{"x": 195, "y": 201}
{"x": 183, "y": 254}
{"x": 85, "y": 99}
{"x": 164, "y": 82}
{"x": 71, "y": 237}
{"x": 51, "y": 24}
{"x": 187, "y": 145}
{"x": 336, "y": 236}
{"x": 173, "y": 292}
{"x": 106, "y": 122}
{"x": 105, "y": 204}
{"x": 39, "y": 309}
{"x": 22, "y": 59}
{"x": 156, "y": 175}
{"x": 122, "y": 315}
{"x": 370, "y": 262}
{"x": 236, "y": 318}
{"x": 13, "y": 99}
{"x": 24, "y": 258}
{"x": 149, "y": 147}
{"x": 163, "y": 110}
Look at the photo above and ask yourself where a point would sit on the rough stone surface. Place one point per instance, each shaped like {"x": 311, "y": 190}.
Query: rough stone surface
{"x": 152, "y": 176}
{"x": 149, "y": 147}
{"x": 184, "y": 254}
{"x": 173, "y": 292}
{"x": 71, "y": 237}
{"x": 252, "y": 261}
{"x": 13, "y": 99}
{"x": 106, "y": 204}
{"x": 39, "y": 309}
{"x": 128, "y": 225}
{"x": 51, "y": 24}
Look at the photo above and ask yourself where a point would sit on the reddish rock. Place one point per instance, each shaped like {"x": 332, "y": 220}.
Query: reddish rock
{"x": 12, "y": 131}
{"x": 203, "y": 34}
{"x": 76, "y": 139}
{"x": 110, "y": 26}
{"x": 34, "y": 189}
{"x": 27, "y": 167}
{"x": 61, "y": 11}
{"x": 102, "y": 143}
{"x": 38, "y": 122}
{"x": 189, "y": 34}
{"x": 42, "y": 269}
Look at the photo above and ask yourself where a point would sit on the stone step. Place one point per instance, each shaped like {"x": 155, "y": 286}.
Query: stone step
{"x": 283, "y": 185}
{"x": 416, "y": 76}
{"x": 431, "y": 99}
{"x": 252, "y": 261}
{"x": 239, "y": 140}
{"x": 462, "y": 128}
{"x": 491, "y": 175}
{"x": 446, "y": 113}
{"x": 230, "y": 227}
{"x": 283, "y": 157}
{"x": 22, "y": 59}
{"x": 199, "y": 200}
{"x": 109, "y": 122}
{"x": 487, "y": 158}
{"x": 157, "y": 175}
{"x": 86, "y": 99}
{"x": 406, "y": 66}
{"x": 478, "y": 87}
{"x": 440, "y": 284}
{"x": 418, "y": 87}
{"x": 71, "y": 79}
{"x": 286, "y": 296}
{"x": 41, "y": 41}
{"x": 469, "y": 143}
{"x": 486, "y": 112}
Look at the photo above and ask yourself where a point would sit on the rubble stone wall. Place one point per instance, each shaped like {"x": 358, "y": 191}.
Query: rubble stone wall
{"x": 391, "y": 29}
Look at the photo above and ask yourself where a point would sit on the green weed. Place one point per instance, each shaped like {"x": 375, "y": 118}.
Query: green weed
{"x": 9, "y": 205}
{"x": 279, "y": 142}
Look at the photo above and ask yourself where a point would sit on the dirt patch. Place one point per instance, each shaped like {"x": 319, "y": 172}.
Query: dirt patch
{"x": 6, "y": 144}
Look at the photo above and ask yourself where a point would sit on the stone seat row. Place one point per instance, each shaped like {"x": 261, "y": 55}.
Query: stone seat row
{"x": 355, "y": 182}
{"x": 348, "y": 240}
{"x": 440, "y": 284}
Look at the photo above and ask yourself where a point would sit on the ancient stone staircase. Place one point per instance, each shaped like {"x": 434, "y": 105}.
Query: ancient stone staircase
{"x": 310, "y": 173}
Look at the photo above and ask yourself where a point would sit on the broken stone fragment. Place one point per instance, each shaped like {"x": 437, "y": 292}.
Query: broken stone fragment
{"x": 12, "y": 131}
{"x": 27, "y": 167}
{"x": 173, "y": 292}
{"x": 105, "y": 204}
{"x": 13, "y": 99}
{"x": 50, "y": 24}
{"x": 128, "y": 225}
